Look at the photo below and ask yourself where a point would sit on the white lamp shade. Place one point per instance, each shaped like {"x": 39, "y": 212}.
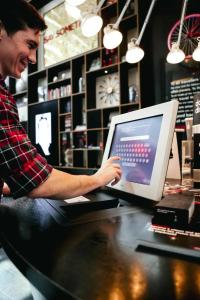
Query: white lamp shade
{"x": 196, "y": 53}
{"x": 134, "y": 53}
{"x": 75, "y": 2}
{"x": 175, "y": 55}
{"x": 91, "y": 24}
{"x": 112, "y": 38}
{"x": 73, "y": 11}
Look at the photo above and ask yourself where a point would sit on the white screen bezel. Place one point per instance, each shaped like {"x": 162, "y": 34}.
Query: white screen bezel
{"x": 154, "y": 190}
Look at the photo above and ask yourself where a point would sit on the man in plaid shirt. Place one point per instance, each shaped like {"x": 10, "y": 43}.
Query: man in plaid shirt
{"x": 22, "y": 168}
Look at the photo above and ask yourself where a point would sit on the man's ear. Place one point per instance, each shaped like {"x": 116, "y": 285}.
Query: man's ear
{"x": 2, "y": 30}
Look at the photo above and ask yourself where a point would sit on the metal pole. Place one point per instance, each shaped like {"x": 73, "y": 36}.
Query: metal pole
{"x": 116, "y": 25}
{"x": 145, "y": 22}
{"x": 181, "y": 23}
{"x": 99, "y": 6}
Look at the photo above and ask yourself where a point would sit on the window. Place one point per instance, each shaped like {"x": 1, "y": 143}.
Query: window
{"x": 63, "y": 39}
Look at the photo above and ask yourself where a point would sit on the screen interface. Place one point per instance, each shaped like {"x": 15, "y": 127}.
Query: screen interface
{"x": 43, "y": 131}
{"x": 135, "y": 142}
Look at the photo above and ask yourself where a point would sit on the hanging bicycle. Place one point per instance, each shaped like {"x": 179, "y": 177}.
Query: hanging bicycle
{"x": 189, "y": 35}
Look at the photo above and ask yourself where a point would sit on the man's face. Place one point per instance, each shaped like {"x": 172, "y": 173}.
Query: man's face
{"x": 17, "y": 50}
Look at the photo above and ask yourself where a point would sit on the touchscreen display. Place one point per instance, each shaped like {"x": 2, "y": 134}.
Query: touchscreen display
{"x": 42, "y": 131}
{"x": 135, "y": 142}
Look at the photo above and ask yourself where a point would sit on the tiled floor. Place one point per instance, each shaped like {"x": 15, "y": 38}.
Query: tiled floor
{"x": 13, "y": 285}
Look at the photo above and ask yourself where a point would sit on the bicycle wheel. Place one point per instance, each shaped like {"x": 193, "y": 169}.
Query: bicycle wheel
{"x": 189, "y": 35}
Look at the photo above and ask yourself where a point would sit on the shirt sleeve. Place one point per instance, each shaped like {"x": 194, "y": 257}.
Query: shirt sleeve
{"x": 21, "y": 166}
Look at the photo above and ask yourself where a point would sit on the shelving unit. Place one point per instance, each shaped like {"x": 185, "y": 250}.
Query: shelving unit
{"x": 83, "y": 125}
{"x": 19, "y": 90}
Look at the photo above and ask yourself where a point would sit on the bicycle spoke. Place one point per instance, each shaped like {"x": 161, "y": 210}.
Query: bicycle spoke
{"x": 189, "y": 34}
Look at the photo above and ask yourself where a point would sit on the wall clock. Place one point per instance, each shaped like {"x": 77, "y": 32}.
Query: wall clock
{"x": 107, "y": 91}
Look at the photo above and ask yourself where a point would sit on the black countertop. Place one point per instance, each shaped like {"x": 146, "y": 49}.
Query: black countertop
{"x": 95, "y": 257}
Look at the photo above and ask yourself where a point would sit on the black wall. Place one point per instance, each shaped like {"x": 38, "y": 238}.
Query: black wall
{"x": 155, "y": 69}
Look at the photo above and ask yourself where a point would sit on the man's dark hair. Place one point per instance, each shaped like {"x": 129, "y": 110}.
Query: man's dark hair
{"x": 18, "y": 15}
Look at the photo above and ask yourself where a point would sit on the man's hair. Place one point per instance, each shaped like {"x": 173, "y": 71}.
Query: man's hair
{"x": 18, "y": 15}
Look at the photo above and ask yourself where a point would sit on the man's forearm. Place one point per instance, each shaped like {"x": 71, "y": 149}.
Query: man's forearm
{"x": 60, "y": 185}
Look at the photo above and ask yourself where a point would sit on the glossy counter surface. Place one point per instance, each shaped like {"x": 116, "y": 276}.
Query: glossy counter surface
{"x": 95, "y": 258}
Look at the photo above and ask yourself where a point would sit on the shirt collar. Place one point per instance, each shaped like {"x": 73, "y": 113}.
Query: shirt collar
{"x": 2, "y": 83}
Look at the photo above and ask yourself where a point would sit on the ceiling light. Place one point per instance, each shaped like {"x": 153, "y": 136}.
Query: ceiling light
{"x": 175, "y": 55}
{"x": 75, "y": 2}
{"x": 112, "y": 36}
{"x": 134, "y": 53}
{"x": 91, "y": 23}
{"x": 73, "y": 11}
{"x": 196, "y": 53}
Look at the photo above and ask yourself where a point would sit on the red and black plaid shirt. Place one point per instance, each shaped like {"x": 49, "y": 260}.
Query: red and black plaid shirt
{"x": 21, "y": 167}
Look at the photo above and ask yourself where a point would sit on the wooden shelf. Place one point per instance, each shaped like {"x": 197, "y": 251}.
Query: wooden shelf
{"x": 20, "y": 94}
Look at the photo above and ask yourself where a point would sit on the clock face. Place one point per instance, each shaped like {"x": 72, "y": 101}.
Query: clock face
{"x": 107, "y": 91}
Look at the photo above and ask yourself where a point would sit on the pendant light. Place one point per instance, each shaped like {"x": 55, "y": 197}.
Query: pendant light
{"x": 176, "y": 55}
{"x": 112, "y": 36}
{"x": 196, "y": 53}
{"x": 134, "y": 53}
{"x": 74, "y": 2}
{"x": 91, "y": 23}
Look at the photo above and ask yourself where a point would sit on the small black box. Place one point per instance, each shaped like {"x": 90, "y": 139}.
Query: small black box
{"x": 174, "y": 210}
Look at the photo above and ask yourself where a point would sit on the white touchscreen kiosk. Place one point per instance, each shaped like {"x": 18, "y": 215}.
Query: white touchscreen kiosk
{"x": 142, "y": 139}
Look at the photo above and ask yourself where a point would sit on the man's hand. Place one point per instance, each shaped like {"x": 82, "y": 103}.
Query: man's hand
{"x": 110, "y": 171}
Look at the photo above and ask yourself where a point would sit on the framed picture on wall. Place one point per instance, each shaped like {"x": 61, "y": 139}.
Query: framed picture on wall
{"x": 43, "y": 129}
{"x": 63, "y": 38}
